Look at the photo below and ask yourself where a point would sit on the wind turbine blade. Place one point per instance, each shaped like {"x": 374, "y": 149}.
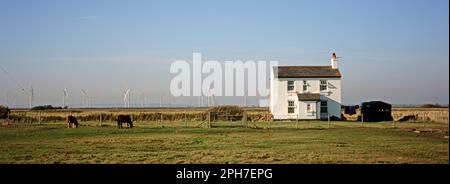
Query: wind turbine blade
{"x": 84, "y": 92}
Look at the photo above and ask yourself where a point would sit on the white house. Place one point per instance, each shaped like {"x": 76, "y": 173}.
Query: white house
{"x": 306, "y": 92}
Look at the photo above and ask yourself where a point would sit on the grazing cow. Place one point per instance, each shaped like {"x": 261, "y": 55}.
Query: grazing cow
{"x": 408, "y": 118}
{"x": 71, "y": 120}
{"x": 124, "y": 119}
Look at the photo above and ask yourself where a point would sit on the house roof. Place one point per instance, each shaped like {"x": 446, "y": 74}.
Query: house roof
{"x": 306, "y": 72}
{"x": 308, "y": 96}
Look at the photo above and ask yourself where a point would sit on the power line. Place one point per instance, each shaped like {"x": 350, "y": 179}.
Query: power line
{"x": 10, "y": 77}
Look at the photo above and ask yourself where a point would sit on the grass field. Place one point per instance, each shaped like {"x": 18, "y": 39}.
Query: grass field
{"x": 226, "y": 142}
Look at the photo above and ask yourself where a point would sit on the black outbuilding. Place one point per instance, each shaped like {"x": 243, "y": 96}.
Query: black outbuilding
{"x": 375, "y": 111}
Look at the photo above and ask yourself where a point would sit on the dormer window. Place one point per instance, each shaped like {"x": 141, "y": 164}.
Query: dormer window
{"x": 323, "y": 85}
{"x": 305, "y": 86}
{"x": 290, "y": 86}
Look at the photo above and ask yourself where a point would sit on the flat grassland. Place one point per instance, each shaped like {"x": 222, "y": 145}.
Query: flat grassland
{"x": 226, "y": 142}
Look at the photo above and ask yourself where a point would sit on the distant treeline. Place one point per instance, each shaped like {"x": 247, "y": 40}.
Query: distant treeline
{"x": 433, "y": 106}
{"x": 47, "y": 107}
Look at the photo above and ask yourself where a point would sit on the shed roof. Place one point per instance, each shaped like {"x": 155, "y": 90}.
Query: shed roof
{"x": 308, "y": 96}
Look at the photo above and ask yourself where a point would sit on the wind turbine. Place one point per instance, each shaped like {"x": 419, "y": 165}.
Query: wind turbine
{"x": 201, "y": 99}
{"x": 244, "y": 100}
{"x": 30, "y": 93}
{"x": 199, "y": 103}
{"x": 143, "y": 100}
{"x": 85, "y": 98}
{"x": 65, "y": 98}
{"x": 31, "y": 97}
{"x": 126, "y": 98}
{"x": 209, "y": 98}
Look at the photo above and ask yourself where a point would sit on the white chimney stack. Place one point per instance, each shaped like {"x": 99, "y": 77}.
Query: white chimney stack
{"x": 334, "y": 61}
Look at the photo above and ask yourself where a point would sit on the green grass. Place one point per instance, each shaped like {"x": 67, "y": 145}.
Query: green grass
{"x": 226, "y": 142}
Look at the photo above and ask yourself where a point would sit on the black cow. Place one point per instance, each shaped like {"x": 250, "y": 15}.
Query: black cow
{"x": 124, "y": 119}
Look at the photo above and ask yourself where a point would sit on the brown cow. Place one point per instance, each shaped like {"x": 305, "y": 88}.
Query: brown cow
{"x": 124, "y": 119}
{"x": 71, "y": 120}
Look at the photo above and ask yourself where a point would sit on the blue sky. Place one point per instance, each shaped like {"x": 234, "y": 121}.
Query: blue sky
{"x": 393, "y": 50}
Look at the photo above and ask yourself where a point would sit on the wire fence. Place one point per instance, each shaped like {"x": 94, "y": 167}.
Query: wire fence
{"x": 250, "y": 120}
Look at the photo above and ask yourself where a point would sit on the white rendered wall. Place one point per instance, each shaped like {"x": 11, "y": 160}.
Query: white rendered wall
{"x": 280, "y": 97}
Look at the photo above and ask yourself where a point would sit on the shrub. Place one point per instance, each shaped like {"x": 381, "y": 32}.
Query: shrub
{"x": 227, "y": 112}
{"x": 4, "y": 111}
{"x": 333, "y": 118}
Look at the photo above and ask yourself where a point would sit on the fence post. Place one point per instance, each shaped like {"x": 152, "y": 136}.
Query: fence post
{"x": 161, "y": 120}
{"x": 362, "y": 120}
{"x": 209, "y": 119}
{"x": 296, "y": 123}
{"x": 39, "y": 117}
{"x": 7, "y": 120}
{"x": 101, "y": 120}
{"x": 329, "y": 125}
{"x": 244, "y": 119}
{"x": 185, "y": 120}
{"x": 393, "y": 123}
{"x": 309, "y": 124}
{"x": 28, "y": 119}
{"x": 270, "y": 124}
